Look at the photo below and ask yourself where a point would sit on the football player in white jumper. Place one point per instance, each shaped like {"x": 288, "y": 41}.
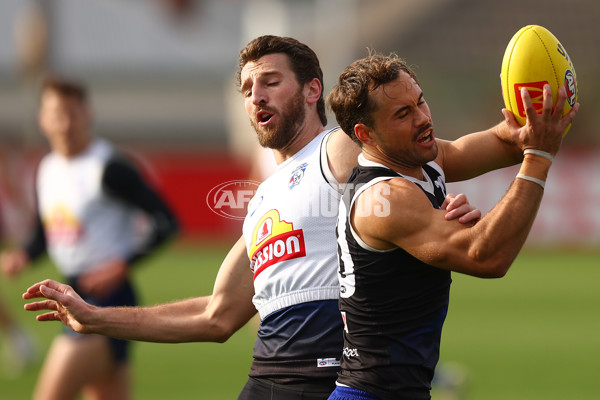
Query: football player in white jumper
{"x": 285, "y": 264}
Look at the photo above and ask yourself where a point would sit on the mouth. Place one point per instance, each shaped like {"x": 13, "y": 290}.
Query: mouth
{"x": 263, "y": 117}
{"x": 426, "y": 138}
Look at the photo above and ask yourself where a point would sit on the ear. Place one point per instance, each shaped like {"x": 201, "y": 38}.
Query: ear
{"x": 313, "y": 90}
{"x": 363, "y": 133}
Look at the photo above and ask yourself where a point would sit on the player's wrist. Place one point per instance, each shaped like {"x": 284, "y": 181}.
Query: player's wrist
{"x": 537, "y": 181}
{"x": 535, "y": 168}
{"x": 539, "y": 153}
{"x": 95, "y": 319}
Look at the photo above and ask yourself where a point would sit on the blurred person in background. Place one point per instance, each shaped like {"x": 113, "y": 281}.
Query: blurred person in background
{"x": 284, "y": 265}
{"x": 89, "y": 198}
{"x": 395, "y": 266}
{"x": 18, "y": 349}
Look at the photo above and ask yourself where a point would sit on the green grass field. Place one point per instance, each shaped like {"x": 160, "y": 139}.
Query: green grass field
{"x": 531, "y": 335}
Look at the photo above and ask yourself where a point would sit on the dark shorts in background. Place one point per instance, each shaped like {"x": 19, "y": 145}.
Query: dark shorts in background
{"x": 124, "y": 296}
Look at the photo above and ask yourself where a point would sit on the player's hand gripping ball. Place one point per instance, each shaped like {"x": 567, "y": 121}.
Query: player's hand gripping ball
{"x": 534, "y": 57}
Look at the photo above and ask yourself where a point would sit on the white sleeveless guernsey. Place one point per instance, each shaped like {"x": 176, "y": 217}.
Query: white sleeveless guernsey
{"x": 83, "y": 225}
{"x": 290, "y": 232}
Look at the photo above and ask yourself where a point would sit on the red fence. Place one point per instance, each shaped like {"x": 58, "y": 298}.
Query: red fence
{"x": 185, "y": 180}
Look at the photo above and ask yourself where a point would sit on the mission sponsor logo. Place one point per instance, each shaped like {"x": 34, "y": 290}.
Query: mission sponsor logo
{"x": 273, "y": 241}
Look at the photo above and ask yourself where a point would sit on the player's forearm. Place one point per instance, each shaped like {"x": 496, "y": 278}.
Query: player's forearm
{"x": 499, "y": 236}
{"x": 177, "y": 322}
{"x": 205, "y": 319}
{"x": 478, "y": 153}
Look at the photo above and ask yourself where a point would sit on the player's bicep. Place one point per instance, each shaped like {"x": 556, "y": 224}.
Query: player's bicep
{"x": 415, "y": 226}
{"x": 390, "y": 214}
{"x": 231, "y": 301}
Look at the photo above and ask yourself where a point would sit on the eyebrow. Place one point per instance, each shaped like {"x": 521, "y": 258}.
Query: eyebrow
{"x": 402, "y": 109}
{"x": 262, "y": 75}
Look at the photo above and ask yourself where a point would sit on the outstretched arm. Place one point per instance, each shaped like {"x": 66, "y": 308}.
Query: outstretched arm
{"x": 477, "y": 153}
{"x": 488, "y": 248}
{"x": 212, "y": 318}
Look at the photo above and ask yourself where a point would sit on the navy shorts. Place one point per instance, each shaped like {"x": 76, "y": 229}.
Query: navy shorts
{"x": 124, "y": 296}
{"x": 263, "y": 389}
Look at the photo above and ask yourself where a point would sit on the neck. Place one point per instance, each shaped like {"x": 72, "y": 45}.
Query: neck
{"x": 396, "y": 165}
{"x": 74, "y": 149}
{"x": 304, "y": 136}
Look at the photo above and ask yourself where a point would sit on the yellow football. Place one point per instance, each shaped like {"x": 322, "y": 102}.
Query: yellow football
{"x": 534, "y": 57}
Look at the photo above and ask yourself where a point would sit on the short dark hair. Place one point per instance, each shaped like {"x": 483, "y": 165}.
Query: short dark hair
{"x": 349, "y": 99}
{"x": 65, "y": 87}
{"x": 304, "y": 62}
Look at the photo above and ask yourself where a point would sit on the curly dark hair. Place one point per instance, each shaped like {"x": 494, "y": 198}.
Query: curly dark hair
{"x": 349, "y": 99}
{"x": 303, "y": 60}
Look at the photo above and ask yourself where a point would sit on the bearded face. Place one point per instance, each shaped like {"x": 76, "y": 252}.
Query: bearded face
{"x": 278, "y": 135}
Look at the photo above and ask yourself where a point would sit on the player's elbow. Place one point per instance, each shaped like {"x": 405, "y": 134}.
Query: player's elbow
{"x": 490, "y": 265}
{"x": 495, "y": 273}
{"x": 221, "y": 327}
{"x": 208, "y": 331}
{"x": 222, "y": 333}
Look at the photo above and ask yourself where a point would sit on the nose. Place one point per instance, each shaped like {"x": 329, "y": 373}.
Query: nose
{"x": 259, "y": 95}
{"x": 421, "y": 117}
{"x": 63, "y": 123}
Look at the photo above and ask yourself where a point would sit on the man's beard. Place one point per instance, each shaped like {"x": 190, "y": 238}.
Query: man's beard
{"x": 280, "y": 135}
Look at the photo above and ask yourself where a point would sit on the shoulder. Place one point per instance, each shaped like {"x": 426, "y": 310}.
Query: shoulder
{"x": 390, "y": 209}
{"x": 46, "y": 160}
{"x": 393, "y": 196}
{"x": 120, "y": 172}
{"x": 342, "y": 153}
{"x": 401, "y": 193}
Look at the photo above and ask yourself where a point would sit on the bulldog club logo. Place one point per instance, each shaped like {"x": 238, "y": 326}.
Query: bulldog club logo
{"x": 273, "y": 241}
{"x": 297, "y": 175}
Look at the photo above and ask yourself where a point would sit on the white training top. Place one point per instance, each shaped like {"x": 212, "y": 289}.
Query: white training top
{"x": 83, "y": 225}
{"x": 290, "y": 232}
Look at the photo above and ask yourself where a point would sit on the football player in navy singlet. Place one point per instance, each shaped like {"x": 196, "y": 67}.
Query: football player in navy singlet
{"x": 396, "y": 247}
